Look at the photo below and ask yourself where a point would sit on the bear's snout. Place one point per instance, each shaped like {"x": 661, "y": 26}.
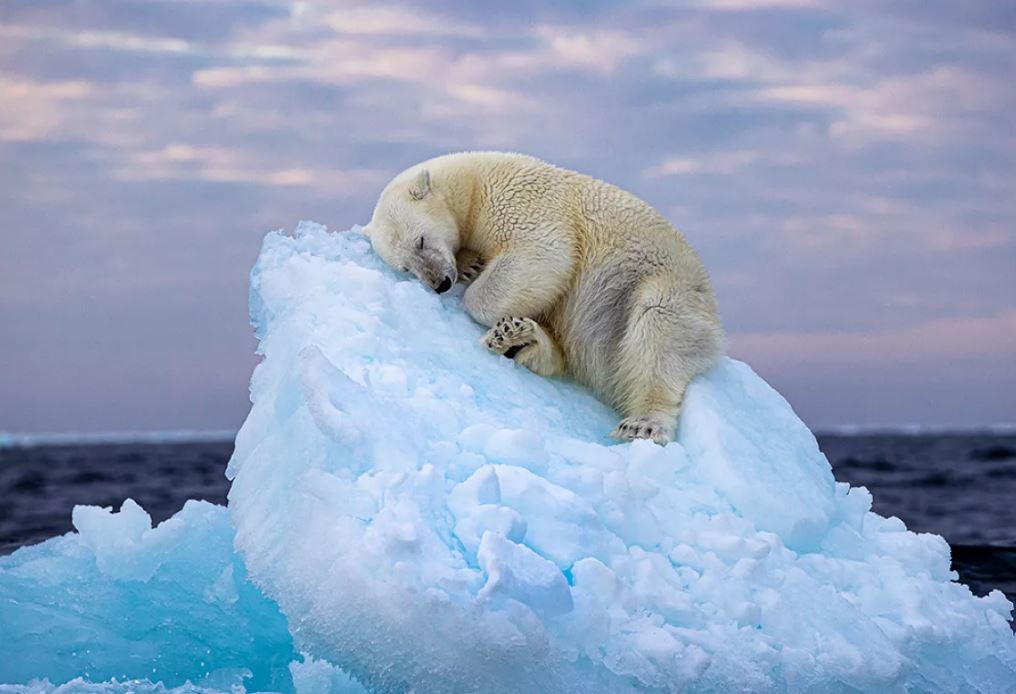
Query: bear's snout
{"x": 434, "y": 271}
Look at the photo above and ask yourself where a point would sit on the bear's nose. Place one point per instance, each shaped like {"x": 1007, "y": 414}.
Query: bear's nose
{"x": 445, "y": 285}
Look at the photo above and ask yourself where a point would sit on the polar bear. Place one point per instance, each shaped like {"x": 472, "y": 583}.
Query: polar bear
{"x": 572, "y": 276}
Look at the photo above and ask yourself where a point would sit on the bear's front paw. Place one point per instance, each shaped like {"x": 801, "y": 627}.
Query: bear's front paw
{"x": 510, "y": 336}
{"x": 654, "y": 427}
{"x": 469, "y": 265}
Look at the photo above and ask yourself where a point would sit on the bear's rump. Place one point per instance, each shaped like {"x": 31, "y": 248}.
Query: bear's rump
{"x": 591, "y": 322}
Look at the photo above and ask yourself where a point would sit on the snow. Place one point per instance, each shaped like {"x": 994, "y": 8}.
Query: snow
{"x": 430, "y": 517}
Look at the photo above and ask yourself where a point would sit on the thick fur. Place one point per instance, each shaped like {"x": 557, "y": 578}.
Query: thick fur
{"x": 571, "y": 274}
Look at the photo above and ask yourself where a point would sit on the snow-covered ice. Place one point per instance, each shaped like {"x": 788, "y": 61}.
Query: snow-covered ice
{"x": 429, "y": 517}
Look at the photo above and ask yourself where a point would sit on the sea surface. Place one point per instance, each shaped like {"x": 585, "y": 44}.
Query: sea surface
{"x": 960, "y": 486}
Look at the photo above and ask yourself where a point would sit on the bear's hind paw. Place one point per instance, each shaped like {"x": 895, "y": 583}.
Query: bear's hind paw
{"x": 652, "y": 427}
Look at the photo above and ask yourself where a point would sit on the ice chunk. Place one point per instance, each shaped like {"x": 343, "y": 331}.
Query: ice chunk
{"x": 312, "y": 676}
{"x": 518, "y": 572}
{"x": 125, "y": 544}
{"x": 122, "y": 600}
{"x": 430, "y": 516}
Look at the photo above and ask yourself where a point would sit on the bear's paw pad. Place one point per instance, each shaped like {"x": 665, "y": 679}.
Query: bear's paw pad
{"x": 510, "y": 336}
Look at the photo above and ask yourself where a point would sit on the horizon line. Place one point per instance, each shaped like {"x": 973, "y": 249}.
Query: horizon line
{"x": 27, "y": 440}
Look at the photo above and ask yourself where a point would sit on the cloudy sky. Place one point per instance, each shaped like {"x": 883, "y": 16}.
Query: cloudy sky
{"x": 847, "y": 171}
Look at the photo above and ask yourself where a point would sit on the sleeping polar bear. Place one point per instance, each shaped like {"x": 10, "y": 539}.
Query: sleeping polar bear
{"x": 571, "y": 274}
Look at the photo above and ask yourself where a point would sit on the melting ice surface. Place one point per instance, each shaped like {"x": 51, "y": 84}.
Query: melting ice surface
{"x": 428, "y": 517}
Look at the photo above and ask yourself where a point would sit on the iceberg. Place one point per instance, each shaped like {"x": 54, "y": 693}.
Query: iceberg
{"x": 411, "y": 513}
{"x": 432, "y": 518}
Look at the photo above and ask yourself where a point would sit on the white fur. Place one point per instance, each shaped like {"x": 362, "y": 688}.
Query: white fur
{"x": 613, "y": 294}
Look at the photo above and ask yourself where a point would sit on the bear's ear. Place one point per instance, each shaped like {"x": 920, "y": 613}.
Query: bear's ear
{"x": 421, "y": 186}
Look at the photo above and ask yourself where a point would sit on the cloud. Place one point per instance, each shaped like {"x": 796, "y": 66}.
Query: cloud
{"x": 601, "y": 51}
{"x": 180, "y": 161}
{"x": 845, "y": 170}
{"x": 394, "y": 20}
{"x": 742, "y": 5}
{"x": 931, "y": 342}
{"x": 122, "y": 42}
{"x": 721, "y": 163}
{"x": 33, "y": 111}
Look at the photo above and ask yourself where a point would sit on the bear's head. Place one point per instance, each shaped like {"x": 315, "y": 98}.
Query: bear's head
{"x": 413, "y": 230}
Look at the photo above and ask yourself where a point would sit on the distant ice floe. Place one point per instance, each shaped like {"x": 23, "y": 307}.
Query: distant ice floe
{"x": 10, "y": 440}
{"x": 428, "y": 517}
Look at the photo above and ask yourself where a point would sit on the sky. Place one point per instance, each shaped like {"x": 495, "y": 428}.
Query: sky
{"x": 847, "y": 172}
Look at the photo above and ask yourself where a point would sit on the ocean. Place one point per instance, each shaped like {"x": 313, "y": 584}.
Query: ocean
{"x": 960, "y": 486}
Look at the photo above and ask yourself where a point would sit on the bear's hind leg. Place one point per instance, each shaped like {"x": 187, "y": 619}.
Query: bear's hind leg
{"x": 523, "y": 340}
{"x": 670, "y": 338}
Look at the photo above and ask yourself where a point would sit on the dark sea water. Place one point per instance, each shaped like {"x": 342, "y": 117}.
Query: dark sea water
{"x": 961, "y": 486}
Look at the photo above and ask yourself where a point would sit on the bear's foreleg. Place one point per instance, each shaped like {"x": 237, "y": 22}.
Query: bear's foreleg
{"x": 525, "y": 341}
{"x": 519, "y": 282}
